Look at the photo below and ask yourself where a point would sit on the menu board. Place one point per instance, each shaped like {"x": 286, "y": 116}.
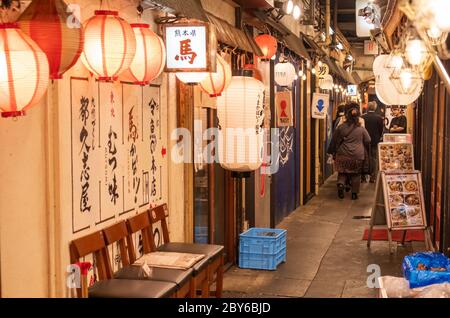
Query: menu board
{"x": 404, "y": 138}
{"x": 403, "y": 197}
{"x": 396, "y": 157}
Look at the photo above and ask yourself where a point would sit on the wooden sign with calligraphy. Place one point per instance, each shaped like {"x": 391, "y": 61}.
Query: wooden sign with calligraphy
{"x": 118, "y": 151}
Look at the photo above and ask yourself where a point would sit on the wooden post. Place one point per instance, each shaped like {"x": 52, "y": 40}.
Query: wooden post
{"x": 185, "y": 94}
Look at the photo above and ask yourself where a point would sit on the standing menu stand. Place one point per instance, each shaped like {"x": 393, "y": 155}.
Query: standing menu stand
{"x": 399, "y": 204}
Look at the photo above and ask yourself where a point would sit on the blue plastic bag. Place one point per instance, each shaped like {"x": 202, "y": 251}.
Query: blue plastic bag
{"x": 420, "y": 278}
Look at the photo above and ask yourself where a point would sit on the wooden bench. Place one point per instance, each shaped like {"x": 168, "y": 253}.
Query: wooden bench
{"x": 107, "y": 286}
{"x": 205, "y": 274}
{"x": 122, "y": 235}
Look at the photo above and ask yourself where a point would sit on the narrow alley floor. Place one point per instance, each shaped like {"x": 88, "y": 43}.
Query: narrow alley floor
{"x": 326, "y": 256}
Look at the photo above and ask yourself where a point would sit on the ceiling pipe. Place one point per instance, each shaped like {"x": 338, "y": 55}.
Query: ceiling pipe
{"x": 327, "y": 22}
{"x": 335, "y": 22}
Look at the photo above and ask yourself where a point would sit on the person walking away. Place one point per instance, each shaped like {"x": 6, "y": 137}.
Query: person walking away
{"x": 374, "y": 124}
{"x": 344, "y": 118}
{"x": 399, "y": 122}
{"x": 348, "y": 149}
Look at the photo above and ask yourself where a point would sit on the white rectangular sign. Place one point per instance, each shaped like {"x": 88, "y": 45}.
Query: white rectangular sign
{"x": 187, "y": 47}
{"x": 320, "y": 104}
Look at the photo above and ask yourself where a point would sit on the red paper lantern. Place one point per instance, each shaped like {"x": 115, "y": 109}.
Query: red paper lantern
{"x": 268, "y": 45}
{"x": 24, "y": 71}
{"x": 150, "y": 58}
{"x": 109, "y": 45}
{"x": 46, "y": 22}
{"x": 215, "y": 83}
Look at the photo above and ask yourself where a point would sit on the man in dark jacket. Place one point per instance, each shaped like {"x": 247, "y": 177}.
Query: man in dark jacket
{"x": 375, "y": 125}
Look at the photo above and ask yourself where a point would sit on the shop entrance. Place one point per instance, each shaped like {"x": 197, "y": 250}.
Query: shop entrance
{"x": 213, "y": 191}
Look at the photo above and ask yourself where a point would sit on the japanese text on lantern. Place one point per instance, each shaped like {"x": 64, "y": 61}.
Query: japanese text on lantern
{"x": 133, "y": 137}
{"x": 153, "y": 144}
{"x": 187, "y": 47}
{"x": 85, "y": 151}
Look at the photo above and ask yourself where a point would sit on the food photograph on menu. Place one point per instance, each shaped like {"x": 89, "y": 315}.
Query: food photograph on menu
{"x": 403, "y": 196}
{"x": 396, "y": 157}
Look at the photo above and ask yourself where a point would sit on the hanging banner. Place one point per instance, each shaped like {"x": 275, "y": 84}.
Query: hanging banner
{"x": 190, "y": 47}
{"x": 320, "y": 104}
{"x": 322, "y": 71}
{"x": 283, "y": 102}
{"x": 367, "y": 16}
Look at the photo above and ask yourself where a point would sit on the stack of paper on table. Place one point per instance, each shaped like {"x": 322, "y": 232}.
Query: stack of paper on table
{"x": 170, "y": 260}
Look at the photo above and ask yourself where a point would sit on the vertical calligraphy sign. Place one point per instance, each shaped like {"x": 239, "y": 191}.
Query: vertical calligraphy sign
{"x": 133, "y": 198}
{"x": 111, "y": 143}
{"x": 155, "y": 130}
{"x": 84, "y": 113}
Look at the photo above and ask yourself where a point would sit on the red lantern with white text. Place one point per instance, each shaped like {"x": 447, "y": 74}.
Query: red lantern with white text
{"x": 150, "y": 58}
{"x": 24, "y": 71}
{"x": 109, "y": 45}
{"x": 47, "y": 23}
{"x": 268, "y": 45}
{"x": 215, "y": 83}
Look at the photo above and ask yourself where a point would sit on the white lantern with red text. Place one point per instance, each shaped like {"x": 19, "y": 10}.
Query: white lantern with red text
{"x": 240, "y": 113}
{"x": 215, "y": 83}
{"x": 109, "y": 45}
{"x": 24, "y": 71}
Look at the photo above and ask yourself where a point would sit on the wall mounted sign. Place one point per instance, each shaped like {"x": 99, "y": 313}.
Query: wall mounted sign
{"x": 322, "y": 71}
{"x": 352, "y": 90}
{"x": 190, "y": 48}
{"x": 118, "y": 164}
{"x": 283, "y": 102}
{"x": 320, "y": 104}
{"x": 370, "y": 47}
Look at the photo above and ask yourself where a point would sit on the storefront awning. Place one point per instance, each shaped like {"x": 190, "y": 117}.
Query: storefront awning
{"x": 337, "y": 70}
{"x": 191, "y": 9}
{"x": 232, "y": 36}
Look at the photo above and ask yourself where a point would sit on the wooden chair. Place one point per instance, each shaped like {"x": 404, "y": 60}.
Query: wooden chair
{"x": 214, "y": 253}
{"x": 107, "y": 287}
{"x": 119, "y": 233}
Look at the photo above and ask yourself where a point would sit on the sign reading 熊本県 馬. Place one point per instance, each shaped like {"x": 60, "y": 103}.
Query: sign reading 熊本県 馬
{"x": 320, "y": 104}
{"x": 190, "y": 47}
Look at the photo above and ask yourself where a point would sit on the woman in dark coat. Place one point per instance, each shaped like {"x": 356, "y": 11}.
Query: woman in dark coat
{"x": 348, "y": 148}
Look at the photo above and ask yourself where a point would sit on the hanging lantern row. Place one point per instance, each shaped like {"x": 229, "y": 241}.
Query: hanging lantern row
{"x": 46, "y": 46}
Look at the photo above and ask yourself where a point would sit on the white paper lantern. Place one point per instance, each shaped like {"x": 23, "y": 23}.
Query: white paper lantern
{"x": 379, "y": 63}
{"x": 240, "y": 113}
{"x": 285, "y": 74}
{"x": 326, "y": 82}
{"x": 387, "y": 92}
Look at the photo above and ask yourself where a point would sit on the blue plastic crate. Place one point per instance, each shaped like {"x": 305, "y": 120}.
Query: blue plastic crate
{"x": 261, "y": 248}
